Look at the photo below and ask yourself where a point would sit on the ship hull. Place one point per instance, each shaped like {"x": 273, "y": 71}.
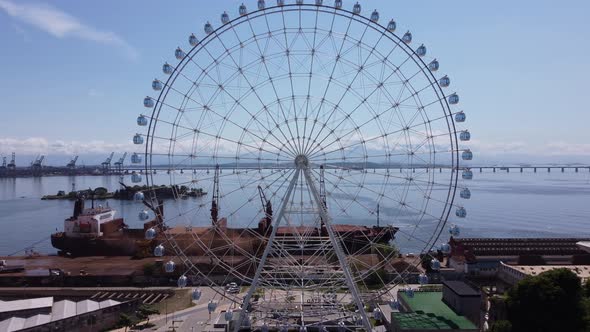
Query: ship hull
{"x": 101, "y": 246}
{"x": 131, "y": 242}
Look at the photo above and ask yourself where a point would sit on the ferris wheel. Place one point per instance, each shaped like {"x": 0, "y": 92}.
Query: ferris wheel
{"x": 308, "y": 145}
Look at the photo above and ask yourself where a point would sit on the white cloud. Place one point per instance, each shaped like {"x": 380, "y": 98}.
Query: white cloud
{"x": 39, "y": 145}
{"x": 564, "y": 148}
{"x": 485, "y": 152}
{"x": 62, "y": 25}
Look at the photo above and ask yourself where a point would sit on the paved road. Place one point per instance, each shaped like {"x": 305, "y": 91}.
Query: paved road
{"x": 193, "y": 319}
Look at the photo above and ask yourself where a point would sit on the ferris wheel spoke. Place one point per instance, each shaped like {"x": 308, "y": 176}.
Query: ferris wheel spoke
{"x": 383, "y": 136}
{"x": 353, "y": 199}
{"x": 235, "y": 100}
{"x": 377, "y": 87}
{"x": 403, "y": 204}
{"x": 256, "y": 180}
{"x": 414, "y": 179}
{"x": 309, "y": 81}
{"x": 331, "y": 74}
{"x": 293, "y": 150}
{"x": 223, "y": 138}
{"x": 252, "y": 88}
{"x": 379, "y": 195}
{"x": 309, "y": 149}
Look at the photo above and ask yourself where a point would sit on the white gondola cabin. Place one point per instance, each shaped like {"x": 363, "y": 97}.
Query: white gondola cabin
{"x": 157, "y": 85}
{"x": 224, "y": 18}
{"x": 148, "y": 102}
{"x": 169, "y": 266}
{"x": 391, "y": 26}
{"x": 150, "y": 234}
{"x": 467, "y": 155}
{"x": 460, "y": 117}
{"x": 137, "y": 139}
{"x": 461, "y": 212}
{"x": 467, "y": 174}
{"x": 179, "y": 53}
{"x": 465, "y": 193}
{"x": 375, "y": 16}
{"x": 407, "y": 38}
{"x": 136, "y": 158}
{"x": 356, "y": 9}
{"x": 465, "y": 135}
{"x": 142, "y": 120}
{"x": 159, "y": 250}
{"x": 421, "y": 51}
{"x": 434, "y": 65}
{"x": 192, "y": 40}
{"x": 444, "y": 82}
{"x": 242, "y": 10}
{"x": 167, "y": 69}
{"x": 208, "y": 28}
{"x": 454, "y": 99}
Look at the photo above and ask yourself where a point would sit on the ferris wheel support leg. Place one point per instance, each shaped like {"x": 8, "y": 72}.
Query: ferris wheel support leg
{"x": 338, "y": 249}
{"x": 266, "y": 250}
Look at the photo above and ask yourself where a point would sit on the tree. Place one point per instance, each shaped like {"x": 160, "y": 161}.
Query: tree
{"x": 125, "y": 321}
{"x": 501, "y": 326}
{"x": 551, "y": 301}
{"x": 144, "y": 312}
{"x": 425, "y": 262}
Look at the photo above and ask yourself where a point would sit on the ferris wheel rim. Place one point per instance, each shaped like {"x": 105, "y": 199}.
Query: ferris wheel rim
{"x": 313, "y": 8}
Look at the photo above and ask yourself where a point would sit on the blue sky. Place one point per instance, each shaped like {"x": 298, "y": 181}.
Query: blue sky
{"x": 75, "y": 73}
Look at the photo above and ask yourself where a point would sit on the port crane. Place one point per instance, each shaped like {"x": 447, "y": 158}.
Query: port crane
{"x": 3, "y": 167}
{"x": 37, "y": 165}
{"x": 106, "y": 165}
{"x": 12, "y": 164}
{"x": 72, "y": 164}
{"x": 38, "y": 162}
{"x": 119, "y": 163}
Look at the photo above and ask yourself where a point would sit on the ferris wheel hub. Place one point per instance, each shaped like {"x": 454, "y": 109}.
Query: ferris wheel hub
{"x": 301, "y": 161}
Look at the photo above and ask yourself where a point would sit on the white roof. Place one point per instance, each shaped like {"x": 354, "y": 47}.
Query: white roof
{"x": 37, "y": 320}
{"x": 582, "y": 271}
{"x": 63, "y": 309}
{"x": 108, "y": 303}
{"x": 584, "y": 245}
{"x": 12, "y": 324}
{"x": 85, "y": 306}
{"x": 41, "y": 302}
{"x": 59, "y": 310}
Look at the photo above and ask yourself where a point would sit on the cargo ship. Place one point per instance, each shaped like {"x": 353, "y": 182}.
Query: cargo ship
{"x": 97, "y": 232}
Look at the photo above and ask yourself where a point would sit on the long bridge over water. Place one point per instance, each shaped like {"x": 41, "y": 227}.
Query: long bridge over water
{"x": 130, "y": 169}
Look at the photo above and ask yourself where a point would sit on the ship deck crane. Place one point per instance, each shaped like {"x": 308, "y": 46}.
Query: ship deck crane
{"x": 215, "y": 199}
{"x": 119, "y": 163}
{"x": 106, "y": 165}
{"x": 265, "y": 224}
{"x": 323, "y": 198}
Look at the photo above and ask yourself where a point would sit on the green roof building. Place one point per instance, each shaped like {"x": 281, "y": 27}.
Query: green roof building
{"x": 425, "y": 312}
